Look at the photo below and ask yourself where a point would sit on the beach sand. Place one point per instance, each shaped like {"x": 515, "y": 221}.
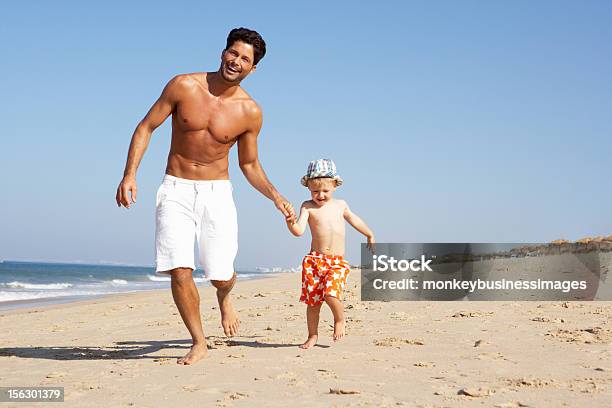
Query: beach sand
{"x": 121, "y": 351}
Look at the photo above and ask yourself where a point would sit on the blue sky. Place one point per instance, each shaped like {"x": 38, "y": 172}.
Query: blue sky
{"x": 449, "y": 121}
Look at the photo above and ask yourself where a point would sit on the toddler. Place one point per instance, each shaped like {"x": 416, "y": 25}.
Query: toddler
{"x": 324, "y": 269}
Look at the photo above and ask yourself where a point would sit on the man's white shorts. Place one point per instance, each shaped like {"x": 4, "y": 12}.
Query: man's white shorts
{"x": 202, "y": 211}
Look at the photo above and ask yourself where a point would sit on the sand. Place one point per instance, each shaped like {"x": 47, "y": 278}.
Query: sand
{"x": 121, "y": 351}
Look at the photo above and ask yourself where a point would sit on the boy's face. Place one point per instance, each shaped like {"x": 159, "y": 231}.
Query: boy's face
{"x": 321, "y": 190}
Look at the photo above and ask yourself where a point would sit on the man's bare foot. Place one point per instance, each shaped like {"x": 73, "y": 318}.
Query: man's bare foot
{"x": 310, "y": 343}
{"x": 197, "y": 352}
{"x": 229, "y": 319}
{"x": 338, "y": 330}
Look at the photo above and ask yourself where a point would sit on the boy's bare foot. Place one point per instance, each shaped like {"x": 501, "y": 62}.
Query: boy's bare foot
{"x": 338, "y": 330}
{"x": 229, "y": 319}
{"x": 198, "y": 351}
{"x": 310, "y": 343}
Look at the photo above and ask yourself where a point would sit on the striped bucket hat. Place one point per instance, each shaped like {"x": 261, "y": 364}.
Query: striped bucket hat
{"x": 321, "y": 168}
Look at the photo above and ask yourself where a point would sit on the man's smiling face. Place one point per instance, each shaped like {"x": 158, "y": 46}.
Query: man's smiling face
{"x": 237, "y": 62}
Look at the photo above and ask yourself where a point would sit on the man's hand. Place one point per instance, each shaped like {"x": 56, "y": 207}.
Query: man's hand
{"x": 286, "y": 208}
{"x": 372, "y": 245}
{"x": 127, "y": 185}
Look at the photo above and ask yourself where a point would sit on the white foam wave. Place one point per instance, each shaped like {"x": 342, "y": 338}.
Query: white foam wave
{"x": 156, "y": 278}
{"x": 39, "y": 286}
{"x": 119, "y": 282}
{"x": 9, "y": 296}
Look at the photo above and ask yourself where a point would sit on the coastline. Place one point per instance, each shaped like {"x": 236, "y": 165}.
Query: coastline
{"x": 121, "y": 350}
{"x": 27, "y": 304}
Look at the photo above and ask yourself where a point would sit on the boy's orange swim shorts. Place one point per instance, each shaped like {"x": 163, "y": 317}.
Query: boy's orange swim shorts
{"x": 323, "y": 275}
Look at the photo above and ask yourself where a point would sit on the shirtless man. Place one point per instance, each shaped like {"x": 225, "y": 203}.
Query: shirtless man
{"x": 210, "y": 112}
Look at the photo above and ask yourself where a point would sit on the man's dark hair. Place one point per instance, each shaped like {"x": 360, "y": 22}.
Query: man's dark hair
{"x": 248, "y": 37}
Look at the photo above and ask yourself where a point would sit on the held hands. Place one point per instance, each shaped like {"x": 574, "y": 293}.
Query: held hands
{"x": 127, "y": 185}
{"x": 286, "y": 208}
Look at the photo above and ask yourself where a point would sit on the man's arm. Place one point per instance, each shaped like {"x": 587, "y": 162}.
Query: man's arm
{"x": 298, "y": 227}
{"x": 360, "y": 225}
{"x": 158, "y": 113}
{"x": 251, "y": 168}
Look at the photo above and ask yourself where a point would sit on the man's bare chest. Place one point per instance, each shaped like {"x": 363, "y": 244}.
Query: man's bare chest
{"x": 225, "y": 122}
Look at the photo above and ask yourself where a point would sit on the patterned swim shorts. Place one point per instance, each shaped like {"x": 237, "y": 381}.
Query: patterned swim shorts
{"x": 323, "y": 275}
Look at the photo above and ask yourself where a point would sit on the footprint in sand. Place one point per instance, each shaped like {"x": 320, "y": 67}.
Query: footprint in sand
{"x": 472, "y": 314}
{"x": 396, "y": 342}
{"x": 56, "y": 374}
{"x": 423, "y": 364}
{"x": 399, "y": 316}
{"x": 323, "y": 373}
{"x": 593, "y": 335}
{"x": 476, "y": 392}
{"x": 343, "y": 391}
{"x": 236, "y": 395}
{"x": 530, "y": 382}
{"x": 491, "y": 356}
{"x": 544, "y": 319}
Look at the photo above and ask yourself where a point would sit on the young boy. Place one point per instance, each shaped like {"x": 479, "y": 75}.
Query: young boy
{"x": 324, "y": 270}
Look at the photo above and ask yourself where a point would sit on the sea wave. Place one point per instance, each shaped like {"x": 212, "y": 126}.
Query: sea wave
{"x": 39, "y": 286}
{"x": 119, "y": 282}
{"x": 156, "y": 278}
{"x": 6, "y": 296}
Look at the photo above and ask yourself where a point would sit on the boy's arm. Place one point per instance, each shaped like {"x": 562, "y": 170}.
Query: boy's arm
{"x": 298, "y": 227}
{"x": 360, "y": 225}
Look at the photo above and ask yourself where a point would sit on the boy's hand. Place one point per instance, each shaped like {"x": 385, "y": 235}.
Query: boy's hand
{"x": 372, "y": 245}
{"x": 286, "y": 208}
{"x": 291, "y": 211}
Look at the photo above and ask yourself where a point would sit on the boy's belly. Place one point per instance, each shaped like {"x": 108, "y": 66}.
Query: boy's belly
{"x": 329, "y": 244}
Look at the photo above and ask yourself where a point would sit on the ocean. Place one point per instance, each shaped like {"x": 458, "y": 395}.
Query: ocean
{"x": 27, "y": 284}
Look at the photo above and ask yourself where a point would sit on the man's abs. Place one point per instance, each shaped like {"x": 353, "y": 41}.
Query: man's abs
{"x": 198, "y": 156}
{"x": 190, "y": 169}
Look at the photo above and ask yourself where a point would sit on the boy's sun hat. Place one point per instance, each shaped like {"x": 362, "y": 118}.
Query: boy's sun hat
{"x": 321, "y": 168}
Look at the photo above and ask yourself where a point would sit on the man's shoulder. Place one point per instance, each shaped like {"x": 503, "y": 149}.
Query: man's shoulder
{"x": 186, "y": 82}
{"x": 189, "y": 78}
{"x": 249, "y": 106}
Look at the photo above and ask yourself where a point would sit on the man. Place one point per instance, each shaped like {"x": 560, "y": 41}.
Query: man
{"x": 210, "y": 112}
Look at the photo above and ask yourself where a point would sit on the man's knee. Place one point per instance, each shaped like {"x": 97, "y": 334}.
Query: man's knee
{"x": 224, "y": 285}
{"x": 181, "y": 275}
